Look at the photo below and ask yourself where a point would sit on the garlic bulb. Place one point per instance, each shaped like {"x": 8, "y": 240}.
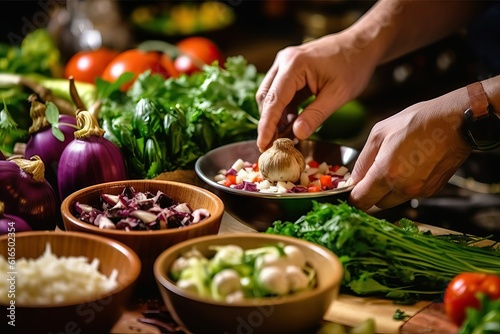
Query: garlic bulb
{"x": 282, "y": 162}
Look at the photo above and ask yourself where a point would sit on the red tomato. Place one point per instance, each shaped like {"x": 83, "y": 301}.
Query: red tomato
{"x": 87, "y": 65}
{"x": 137, "y": 62}
{"x": 313, "y": 189}
{"x": 326, "y": 181}
{"x": 462, "y": 290}
{"x": 313, "y": 164}
{"x": 230, "y": 179}
{"x": 195, "y": 52}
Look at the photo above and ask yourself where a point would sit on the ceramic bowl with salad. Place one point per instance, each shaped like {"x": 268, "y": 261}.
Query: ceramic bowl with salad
{"x": 233, "y": 173}
{"x": 248, "y": 283}
{"x": 147, "y": 215}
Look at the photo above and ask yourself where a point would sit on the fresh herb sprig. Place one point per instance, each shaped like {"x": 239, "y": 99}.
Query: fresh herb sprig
{"x": 9, "y": 129}
{"x": 384, "y": 259}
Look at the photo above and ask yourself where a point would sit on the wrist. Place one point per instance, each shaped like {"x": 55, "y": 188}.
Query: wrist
{"x": 481, "y": 125}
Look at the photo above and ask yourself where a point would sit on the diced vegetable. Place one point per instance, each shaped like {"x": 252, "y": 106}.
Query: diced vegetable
{"x": 315, "y": 178}
{"x": 133, "y": 210}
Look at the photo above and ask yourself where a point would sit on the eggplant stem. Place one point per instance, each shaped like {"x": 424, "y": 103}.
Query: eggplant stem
{"x": 88, "y": 125}
{"x": 34, "y": 166}
{"x": 37, "y": 114}
{"x": 74, "y": 94}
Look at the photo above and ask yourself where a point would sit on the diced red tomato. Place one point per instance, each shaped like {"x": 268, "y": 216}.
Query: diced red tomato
{"x": 313, "y": 189}
{"x": 326, "y": 181}
{"x": 257, "y": 179}
{"x": 255, "y": 167}
{"x": 230, "y": 179}
{"x": 313, "y": 164}
{"x": 333, "y": 168}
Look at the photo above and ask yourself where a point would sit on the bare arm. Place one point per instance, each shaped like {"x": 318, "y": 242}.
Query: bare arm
{"x": 392, "y": 28}
{"x": 337, "y": 67}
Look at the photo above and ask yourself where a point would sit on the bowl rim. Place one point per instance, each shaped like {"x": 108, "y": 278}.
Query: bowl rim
{"x": 244, "y": 193}
{"x": 130, "y": 278}
{"x": 168, "y": 284}
{"x": 66, "y": 210}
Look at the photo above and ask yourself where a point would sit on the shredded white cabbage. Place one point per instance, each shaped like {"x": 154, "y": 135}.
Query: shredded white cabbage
{"x": 49, "y": 280}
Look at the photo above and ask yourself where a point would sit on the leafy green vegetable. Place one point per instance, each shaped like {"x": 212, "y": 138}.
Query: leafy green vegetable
{"x": 383, "y": 259}
{"x": 400, "y": 315}
{"x": 485, "y": 320}
{"x": 10, "y": 132}
{"x": 38, "y": 53}
{"x": 163, "y": 125}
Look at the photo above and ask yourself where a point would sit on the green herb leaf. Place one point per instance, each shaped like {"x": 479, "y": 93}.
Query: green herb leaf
{"x": 57, "y": 133}
{"x": 400, "y": 315}
{"x": 52, "y": 113}
{"x": 6, "y": 120}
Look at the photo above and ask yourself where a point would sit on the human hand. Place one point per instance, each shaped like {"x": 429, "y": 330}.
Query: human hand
{"x": 331, "y": 68}
{"x": 412, "y": 153}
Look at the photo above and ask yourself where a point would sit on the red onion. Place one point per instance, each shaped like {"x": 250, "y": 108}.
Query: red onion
{"x": 26, "y": 193}
{"x": 44, "y": 143}
{"x": 10, "y": 223}
{"x": 89, "y": 159}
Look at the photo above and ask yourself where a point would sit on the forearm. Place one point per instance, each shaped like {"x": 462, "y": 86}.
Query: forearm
{"x": 392, "y": 28}
{"x": 492, "y": 89}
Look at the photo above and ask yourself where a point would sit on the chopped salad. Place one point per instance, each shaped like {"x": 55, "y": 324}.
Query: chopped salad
{"x": 316, "y": 177}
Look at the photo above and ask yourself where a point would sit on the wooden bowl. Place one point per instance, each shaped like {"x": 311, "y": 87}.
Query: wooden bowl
{"x": 147, "y": 244}
{"x": 96, "y": 313}
{"x": 298, "y": 313}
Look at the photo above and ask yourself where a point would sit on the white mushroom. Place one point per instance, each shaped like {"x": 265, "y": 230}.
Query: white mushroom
{"x": 296, "y": 278}
{"x": 273, "y": 280}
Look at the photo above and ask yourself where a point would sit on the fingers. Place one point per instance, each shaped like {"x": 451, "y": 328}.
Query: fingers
{"x": 274, "y": 94}
{"x": 370, "y": 189}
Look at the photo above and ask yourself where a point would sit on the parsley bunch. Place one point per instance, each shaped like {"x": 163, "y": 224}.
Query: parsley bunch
{"x": 382, "y": 259}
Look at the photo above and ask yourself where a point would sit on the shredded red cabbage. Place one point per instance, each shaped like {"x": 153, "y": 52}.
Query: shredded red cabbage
{"x": 133, "y": 210}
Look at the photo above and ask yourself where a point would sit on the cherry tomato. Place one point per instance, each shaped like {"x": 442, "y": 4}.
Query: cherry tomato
{"x": 137, "y": 62}
{"x": 195, "y": 52}
{"x": 461, "y": 293}
{"x": 87, "y": 65}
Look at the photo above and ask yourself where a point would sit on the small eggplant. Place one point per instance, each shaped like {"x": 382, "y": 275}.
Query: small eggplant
{"x": 89, "y": 158}
{"x": 43, "y": 142}
{"x": 26, "y": 193}
{"x": 10, "y": 223}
